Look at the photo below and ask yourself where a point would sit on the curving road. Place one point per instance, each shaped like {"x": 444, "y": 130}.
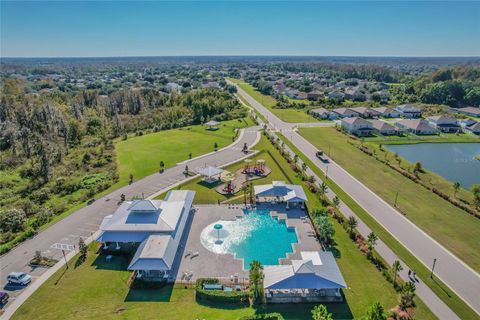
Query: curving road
{"x": 86, "y": 221}
{"x": 450, "y": 269}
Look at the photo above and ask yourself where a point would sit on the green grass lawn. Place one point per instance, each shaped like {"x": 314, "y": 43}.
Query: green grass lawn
{"x": 287, "y": 115}
{"x": 141, "y": 155}
{"x": 437, "y": 217}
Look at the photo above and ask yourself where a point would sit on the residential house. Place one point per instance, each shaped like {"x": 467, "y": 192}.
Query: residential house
{"x": 336, "y": 95}
{"x": 444, "y": 123}
{"x": 416, "y": 126}
{"x": 314, "y": 95}
{"x": 320, "y": 113}
{"x": 383, "y": 127}
{"x": 295, "y": 94}
{"x": 355, "y": 94}
{"x": 365, "y": 112}
{"x": 387, "y": 112}
{"x": 155, "y": 227}
{"x": 357, "y": 126}
{"x": 409, "y": 111}
{"x": 340, "y": 113}
{"x": 473, "y": 128}
{"x": 469, "y": 111}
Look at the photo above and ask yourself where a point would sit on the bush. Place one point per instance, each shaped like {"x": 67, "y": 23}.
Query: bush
{"x": 218, "y": 295}
{"x": 264, "y": 316}
{"x": 12, "y": 220}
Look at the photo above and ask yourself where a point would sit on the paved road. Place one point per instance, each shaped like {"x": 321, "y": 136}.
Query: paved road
{"x": 85, "y": 221}
{"x": 456, "y": 274}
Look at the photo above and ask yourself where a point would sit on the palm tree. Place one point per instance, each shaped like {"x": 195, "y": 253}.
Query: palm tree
{"x": 323, "y": 189}
{"x": 295, "y": 159}
{"x": 320, "y": 312}
{"x": 336, "y": 202}
{"x": 376, "y": 312}
{"x": 304, "y": 167}
{"x": 351, "y": 224}
{"x": 371, "y": 240}
{"x": 396, "y": 268}
{"x": 407, "y": 296}
{"x": 162, "y": 166}
{"x": 456, "y": 186}
{"x": 215, "y": 146}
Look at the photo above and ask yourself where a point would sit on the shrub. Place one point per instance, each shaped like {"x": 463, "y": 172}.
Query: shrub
{"x": 12, "y": 220}
{"x": 264, "y": 316}
{"x": 218, "y": 295}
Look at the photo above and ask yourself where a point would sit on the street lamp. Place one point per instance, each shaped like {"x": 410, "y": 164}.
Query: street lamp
{"x": 433, "y": 267}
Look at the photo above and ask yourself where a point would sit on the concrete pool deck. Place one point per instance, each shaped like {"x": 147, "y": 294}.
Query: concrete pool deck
{"x": 208, "y": 264}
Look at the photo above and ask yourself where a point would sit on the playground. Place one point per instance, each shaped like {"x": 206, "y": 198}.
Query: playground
{"x": 233, "y": 182}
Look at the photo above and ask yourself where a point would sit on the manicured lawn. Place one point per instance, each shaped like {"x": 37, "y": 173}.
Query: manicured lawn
{"x": 287, "y": 115}
{"x": 141, "y": 155}
{"x": 437, "y": 217}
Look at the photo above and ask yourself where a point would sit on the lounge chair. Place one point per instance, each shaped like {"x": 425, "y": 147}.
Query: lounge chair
{"x": 188, "y": 254}
{"x": 194, "y": 254}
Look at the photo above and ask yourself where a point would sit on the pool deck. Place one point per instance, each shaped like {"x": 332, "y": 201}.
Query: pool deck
{"x": 209, "y": 264}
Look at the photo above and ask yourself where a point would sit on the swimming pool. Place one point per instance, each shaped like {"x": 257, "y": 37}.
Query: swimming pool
{"x": 254, "y": 236}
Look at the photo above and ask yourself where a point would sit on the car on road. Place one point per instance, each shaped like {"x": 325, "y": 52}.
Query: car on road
{"x": 3, "y": 298}
{"x": 19, "y": 278}
{"x": 320, "y": 155}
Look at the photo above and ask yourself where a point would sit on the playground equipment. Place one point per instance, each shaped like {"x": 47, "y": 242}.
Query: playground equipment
{"x": 260, "y": 167}
{"x": 229, "y": 187}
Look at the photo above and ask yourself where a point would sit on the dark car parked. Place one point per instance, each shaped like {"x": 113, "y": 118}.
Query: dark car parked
{"x": 3, "y": 298}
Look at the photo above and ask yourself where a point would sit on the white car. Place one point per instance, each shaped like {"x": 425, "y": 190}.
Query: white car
{"x": 19, "y": 278}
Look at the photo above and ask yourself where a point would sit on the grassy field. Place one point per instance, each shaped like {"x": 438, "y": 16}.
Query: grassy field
{"x": 287, "y": 115}
{"x": 437, "y": 217}
{"x": 436, "y": 285}
{"x": 141, "y": 155}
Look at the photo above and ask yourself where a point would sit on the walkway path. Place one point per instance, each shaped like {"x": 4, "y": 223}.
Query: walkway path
{"x": 451, "y": 270}
{"x": 84, "y": 222}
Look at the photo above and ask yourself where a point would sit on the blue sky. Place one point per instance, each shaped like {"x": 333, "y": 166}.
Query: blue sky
{"x": 154, "y": 28}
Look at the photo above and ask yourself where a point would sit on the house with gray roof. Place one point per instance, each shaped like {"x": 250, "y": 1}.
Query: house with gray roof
{"x": 444, "y": 123}
{"x": 357, "y": 126}
{"x": 320, "y": 113}
{"x": 340, "y": 113}
{"x": 473, "y": 128}
{"x": 416, "y": 126}
{"x": 469, "y": 111}
{"x": 409, "y": 111}
{"x": 365, "y": 112}
{"x": 383, "y": 127}
{"x": 314, "y": 278}
{"x": 155, "y": 227}
{"x": 387, "y": 112}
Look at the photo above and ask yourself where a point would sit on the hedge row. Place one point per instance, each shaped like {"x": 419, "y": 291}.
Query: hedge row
{"x": 264, "y": 316}
{"x": 219, "y": 295}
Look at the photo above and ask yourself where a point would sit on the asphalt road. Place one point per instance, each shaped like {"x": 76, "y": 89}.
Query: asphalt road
{"x": 450, "y": 269}
{"x": 66, "y": 233}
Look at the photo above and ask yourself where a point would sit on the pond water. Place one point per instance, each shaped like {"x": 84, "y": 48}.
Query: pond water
{"x": 453, "y": 161}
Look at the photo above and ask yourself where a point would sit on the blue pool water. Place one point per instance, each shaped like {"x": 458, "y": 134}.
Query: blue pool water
{"x": 255, "y": 236}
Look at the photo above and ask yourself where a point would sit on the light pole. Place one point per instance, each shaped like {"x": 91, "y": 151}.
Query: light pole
{"x": 64, "y": 257}
{"x": 433, "y": 267}
{"x": 396, "y": 198}
{"x": 326, "y": 173}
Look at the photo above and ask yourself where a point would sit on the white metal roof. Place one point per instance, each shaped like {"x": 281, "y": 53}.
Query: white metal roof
{"x": 209, "y": 171}
{"x": 290, "y": 192}
{"x": 154, "y": 253}
{"x": 305, "y": 274}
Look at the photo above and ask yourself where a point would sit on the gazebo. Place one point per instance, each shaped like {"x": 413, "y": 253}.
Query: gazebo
{"x": 210, "y": 174}
{"x": 212, "y": 125}
{"x": 279, "y": 191}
